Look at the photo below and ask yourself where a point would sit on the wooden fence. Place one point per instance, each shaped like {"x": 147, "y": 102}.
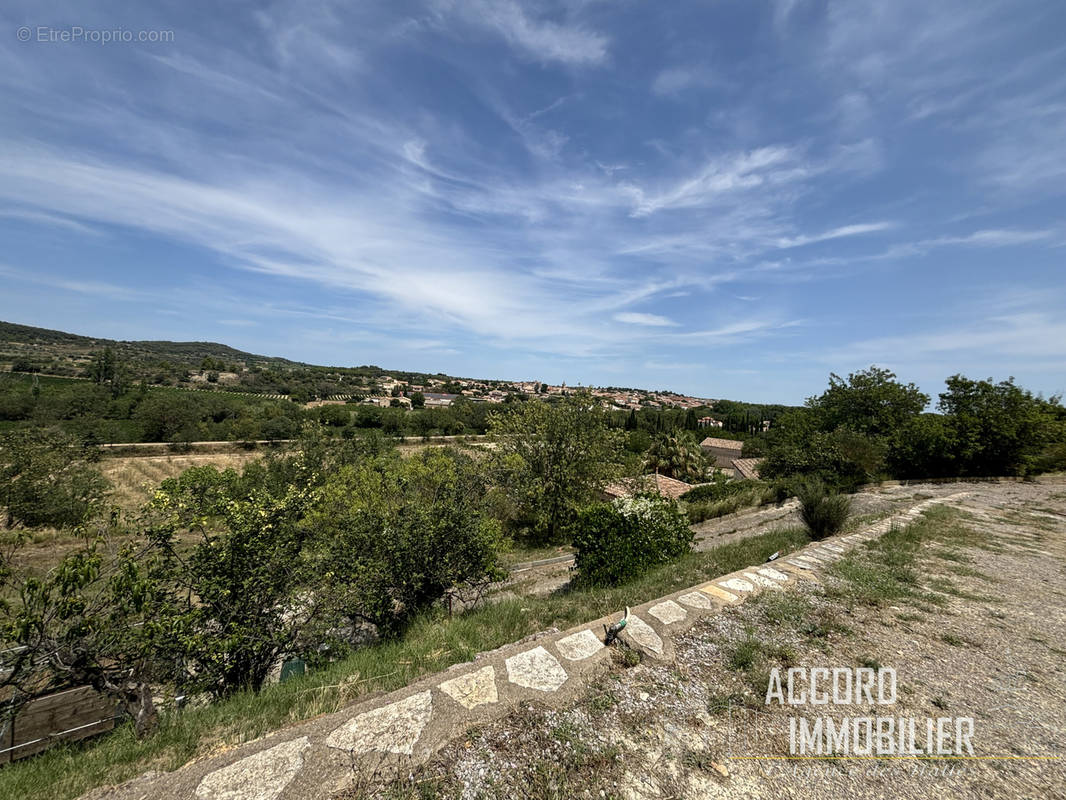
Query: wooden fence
{"x": 61, "y": 717}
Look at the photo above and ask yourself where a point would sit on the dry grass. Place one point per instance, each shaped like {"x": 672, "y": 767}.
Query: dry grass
{"x": 133, "y": 478}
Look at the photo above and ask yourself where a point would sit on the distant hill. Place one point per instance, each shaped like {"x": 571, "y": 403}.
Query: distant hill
{"x": 24, "y": 348}
{"x": 40, "y": 344}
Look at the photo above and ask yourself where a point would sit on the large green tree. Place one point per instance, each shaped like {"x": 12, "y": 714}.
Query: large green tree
{"x": 870, "y": 402}
{"x": 395, "y": 536}
{"x": 553, "y": 458}
{"x": 999, "y": 428}
{"x": 243, "y": 593}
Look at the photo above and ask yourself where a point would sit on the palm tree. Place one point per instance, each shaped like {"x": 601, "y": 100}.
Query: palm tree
{"x": 676, "y": 455}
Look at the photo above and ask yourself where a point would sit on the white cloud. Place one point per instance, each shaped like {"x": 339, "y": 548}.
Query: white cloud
{"x": 678, "y": 79}
{"x": 543, "y": 40}
{"x": 720, "y": 178}
{"x": 836, "y": 233}
{"x": 635, "y": 318}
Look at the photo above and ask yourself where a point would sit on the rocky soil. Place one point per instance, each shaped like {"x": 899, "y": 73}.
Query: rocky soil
{"x": 981, "y": 635}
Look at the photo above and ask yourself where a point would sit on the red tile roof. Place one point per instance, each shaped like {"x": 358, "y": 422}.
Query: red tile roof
{"x": 747, "y": 467}
{"x": 728, "y": 444}
{"x": 667, "y": 487}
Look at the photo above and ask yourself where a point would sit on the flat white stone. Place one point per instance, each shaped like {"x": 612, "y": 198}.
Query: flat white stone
{"x": 800, "y": 561}
{"x": 394, "y": 728}
{"x": 760, "y": 580}
{"x": 643, "y": 634}
{"x": 719, "y": 592}
{"x": 536, "y": 669}
{"x": 738, "y": 584}
{"x": 696, "y": 600}
{"x": 580, "y": 645}
{"x": 667, "y": 612}
{"x": 770, "y": 572}
{"x": 473, "y": 689}
{"x": 836, "y": 548}
{"x": 262, "y": 776}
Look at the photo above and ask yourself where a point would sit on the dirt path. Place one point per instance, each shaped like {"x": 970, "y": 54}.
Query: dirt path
{"x": 968, "y": 608}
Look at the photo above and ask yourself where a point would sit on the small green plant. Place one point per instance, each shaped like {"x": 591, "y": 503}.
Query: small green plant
{"x": 823, "y": 512}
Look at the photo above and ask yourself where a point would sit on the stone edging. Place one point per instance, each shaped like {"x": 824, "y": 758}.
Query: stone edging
{"x": 400, "y": 730}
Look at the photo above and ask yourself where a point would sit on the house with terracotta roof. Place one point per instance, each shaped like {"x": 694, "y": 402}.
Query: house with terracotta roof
{"x": 660, "y": 484}
{"x": 746, "y": 468}
{"x": 723, "y": 451}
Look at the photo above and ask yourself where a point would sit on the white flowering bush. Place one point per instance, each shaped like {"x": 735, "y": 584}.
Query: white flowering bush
{"x": 619, "y": 541}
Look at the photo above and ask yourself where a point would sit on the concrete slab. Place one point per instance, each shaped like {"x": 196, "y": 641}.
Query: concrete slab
{"x": 719, "y": 592}
{"x": 639, "y": 633}
{"x": 770, "y": 572}
{"x": 696, "y": 600}
{"x": 262, "y": 776}
{"x": 737, "y": 585}
{"x": 761, "y": 580}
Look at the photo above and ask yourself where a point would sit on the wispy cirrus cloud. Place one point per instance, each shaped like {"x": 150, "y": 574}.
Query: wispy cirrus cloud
{"x": 675, "y": 80}
{"x": 514, "y": 183}
{"x": 653, "y": 320}
{"x": 540, "y": 39}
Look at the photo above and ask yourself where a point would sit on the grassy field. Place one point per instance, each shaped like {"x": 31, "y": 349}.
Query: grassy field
{"x": 133, "y": 478}
{"x": 432, "y": 644}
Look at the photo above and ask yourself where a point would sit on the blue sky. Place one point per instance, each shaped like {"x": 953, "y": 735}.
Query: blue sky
{"x": 729, "y": 199}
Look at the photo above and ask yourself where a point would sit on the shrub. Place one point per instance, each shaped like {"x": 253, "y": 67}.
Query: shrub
{"x": 700, "y": 505}
{"x": 719, "y": 488}
{"x": 400, "y": 535}
{"x": 619, "y": 541}
{"x": 46, "y": 479}
{"x": 823, "y": 512}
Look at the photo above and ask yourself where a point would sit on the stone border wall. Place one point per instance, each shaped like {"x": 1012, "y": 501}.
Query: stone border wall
{"x": 400, "y": 730}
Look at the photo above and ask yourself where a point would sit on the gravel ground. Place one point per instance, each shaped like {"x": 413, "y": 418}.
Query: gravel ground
{"x": 993, "y": 650}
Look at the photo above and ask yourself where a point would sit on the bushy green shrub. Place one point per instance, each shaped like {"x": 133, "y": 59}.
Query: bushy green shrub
{"x": 619, "y": 541}
{"x": 46, "y": 479}
{"x": 823, "y": 512}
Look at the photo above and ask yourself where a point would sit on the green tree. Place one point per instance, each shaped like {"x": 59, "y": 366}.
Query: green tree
{"x": 47, "y": 478}
{"x": 619, "y": 541}
{"x": 167, "y": 416}
{"x": 925, "y": 447}
{"x": 399, "y": 535}
{"x": 418, "y": 400}
{"x": 999, "y": 428}
{"x": 676, "y": 455}
{"x": 552, "y": 459}
{"x": 98, "y": 618}
{"x": 870, "y": 402}
{"x": 243, "y": 592}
